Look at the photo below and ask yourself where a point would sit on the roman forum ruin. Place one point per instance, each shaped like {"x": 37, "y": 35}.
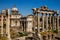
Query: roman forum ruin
{"x": 42, "y": 24}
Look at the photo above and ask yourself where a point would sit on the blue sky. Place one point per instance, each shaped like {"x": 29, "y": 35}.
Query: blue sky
{"x": 25, "y": 6}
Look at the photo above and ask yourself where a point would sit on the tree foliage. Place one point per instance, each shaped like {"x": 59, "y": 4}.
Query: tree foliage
{"x": 55, "y": 31}
{"x": 21, "y": 34}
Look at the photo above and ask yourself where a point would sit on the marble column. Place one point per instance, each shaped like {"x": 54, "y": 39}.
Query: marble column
{"x": 53, "y": 21}
{"x": 34, "y": 22}
{"x": 50, "y": 37}
{"x": 24, "y": 25}
{"x": 38, "y": 20}
{"x": 8, "y": 25}
{"x": 50, "y": 21}
{"x": 20, "y": 25}
{"x": 43, "y": 21}
{"x": 47, "y": 21}
{"x": 2, "y": 26}
{"x": 58, "y": 22}
{"x": 34, "y": 19}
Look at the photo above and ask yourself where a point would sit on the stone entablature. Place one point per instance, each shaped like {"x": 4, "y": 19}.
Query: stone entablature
{"x": 15, "y": 16}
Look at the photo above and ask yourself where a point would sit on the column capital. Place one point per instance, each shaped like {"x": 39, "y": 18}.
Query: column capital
{"x": 38, "y": 10}
{"x": 51, "y": 14}
{"x": 34, "y": 10}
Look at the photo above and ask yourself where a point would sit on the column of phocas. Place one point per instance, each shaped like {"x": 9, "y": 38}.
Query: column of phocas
{"x": 8, "y": 24}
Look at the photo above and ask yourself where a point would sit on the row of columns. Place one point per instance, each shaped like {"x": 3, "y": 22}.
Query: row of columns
{"x": 36, "y": 12}
{"x": 48, "y": 25}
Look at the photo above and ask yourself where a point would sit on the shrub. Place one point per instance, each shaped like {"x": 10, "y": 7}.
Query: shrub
{"x": 55, "y": 31}
{"x": 22, "y": 34}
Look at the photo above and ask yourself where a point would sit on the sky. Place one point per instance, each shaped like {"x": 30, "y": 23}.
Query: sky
{"x": 25, "y": 6}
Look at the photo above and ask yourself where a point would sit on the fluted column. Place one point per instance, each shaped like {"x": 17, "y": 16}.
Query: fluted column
{"x": 47, "y": 21}
{"x": 2, "y": 26}
{"x": 43, "y": 21}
